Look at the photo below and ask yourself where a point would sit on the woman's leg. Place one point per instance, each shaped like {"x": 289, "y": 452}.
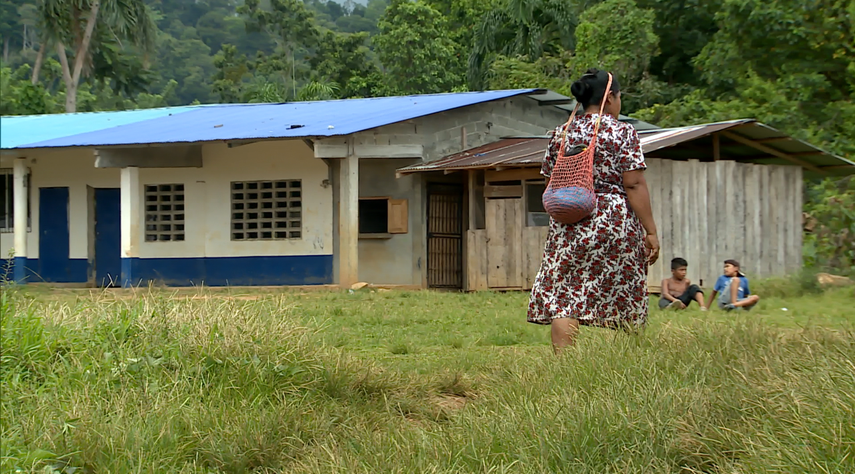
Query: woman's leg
{"x": 564, "y": 331}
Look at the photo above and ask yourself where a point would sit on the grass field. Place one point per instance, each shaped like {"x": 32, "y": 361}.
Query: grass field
{"x": 231, "y": 381}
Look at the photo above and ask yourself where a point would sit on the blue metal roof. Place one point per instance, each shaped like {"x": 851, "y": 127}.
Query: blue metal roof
{"x": 18, "y": 131}
{"x": 231, "y": 121}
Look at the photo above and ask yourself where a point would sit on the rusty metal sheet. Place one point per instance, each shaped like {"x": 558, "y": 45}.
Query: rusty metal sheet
{"x": 526, "y": 152}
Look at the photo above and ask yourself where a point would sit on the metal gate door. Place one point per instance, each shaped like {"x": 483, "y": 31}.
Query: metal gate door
{"x": 445, "y": 236}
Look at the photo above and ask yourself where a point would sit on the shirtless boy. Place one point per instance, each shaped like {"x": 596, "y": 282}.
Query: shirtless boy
{"x": 677, "y": 291}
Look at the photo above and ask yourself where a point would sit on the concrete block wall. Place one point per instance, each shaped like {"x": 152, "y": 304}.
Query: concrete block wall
{"x": 398, "y": 259}
{"x": 441, "y": 134}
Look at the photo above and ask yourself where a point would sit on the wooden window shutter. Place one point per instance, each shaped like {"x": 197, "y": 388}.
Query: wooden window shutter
{"x": 398, "y": 216}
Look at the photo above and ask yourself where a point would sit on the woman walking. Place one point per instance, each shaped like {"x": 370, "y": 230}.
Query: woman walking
{"x": 594, "y": 272}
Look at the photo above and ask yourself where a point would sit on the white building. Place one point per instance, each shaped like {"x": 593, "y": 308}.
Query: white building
{"x": 257, "y": 194}
{"x": 324, "y": 192}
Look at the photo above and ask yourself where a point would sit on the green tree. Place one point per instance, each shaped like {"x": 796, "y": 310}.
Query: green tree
{"x": 547, "y": 72}
{"x": 830, "y": 240}
{"x": 521, "y": 28}
{"x": 232, "y": 68}
{"x": 415, "y": 49}
{"x": 72, "y": 24}
{"x": 618, "y": 36}
{"x": 189, "y": 63}
{"x": 785, "y": 63}
{"x": 684, "y": 27}
{"x": 20, "y": 96}
{"x": 290, "y": 21}
{"x": 342, "y": 61}
{"x": 12, "y": 29}
{"x": 779, "y": 38}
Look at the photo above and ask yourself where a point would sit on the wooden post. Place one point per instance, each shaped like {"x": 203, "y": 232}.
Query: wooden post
{"x": 349, "y": 219}
{"x": 20, "y": 191}
{"x": 716, "y": 147}
{"x": 472, "y": 204}
{"x": 131, "y": 197}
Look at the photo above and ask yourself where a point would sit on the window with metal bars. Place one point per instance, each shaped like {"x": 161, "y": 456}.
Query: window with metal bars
{"x": 267, "y": 210}
{"x": 164, "y": 212}
{"x": 7, "y": 200}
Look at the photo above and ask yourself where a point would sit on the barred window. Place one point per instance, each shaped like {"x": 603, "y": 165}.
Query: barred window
{"x": 164, "y": 212}
{"x": 7, "y": 200}
{"x": 267, "y": 210}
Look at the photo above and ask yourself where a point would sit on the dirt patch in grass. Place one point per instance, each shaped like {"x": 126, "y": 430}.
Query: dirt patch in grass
{"x": 450, "y": 402}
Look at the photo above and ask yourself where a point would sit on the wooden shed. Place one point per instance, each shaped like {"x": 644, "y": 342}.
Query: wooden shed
{"x": 722, "y": 190}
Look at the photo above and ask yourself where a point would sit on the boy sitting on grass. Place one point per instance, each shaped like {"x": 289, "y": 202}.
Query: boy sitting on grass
{"x": 733, "y": 287}
{"x": 677, "y": 291}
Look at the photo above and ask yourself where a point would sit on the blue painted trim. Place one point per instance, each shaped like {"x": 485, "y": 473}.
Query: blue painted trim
{"x": 54, "y": 247}
{"x": 127, "y": 275}
{"x": 19, "y": 270}
{"x": 279, "y": 270}
{"x": 26, "y": 270}
{"x": 108, "y": 238}
{"x": 217, "y": 271}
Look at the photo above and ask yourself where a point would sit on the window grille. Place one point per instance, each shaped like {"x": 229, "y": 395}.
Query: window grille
{"x": 164, "y": 212}
{"x": 267, "y": 210}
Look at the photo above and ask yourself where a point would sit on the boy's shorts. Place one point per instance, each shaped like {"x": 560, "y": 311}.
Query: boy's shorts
{"x": 724, "y": 298}
{"x": 722, "y": 305}
{"x": 687, "y": 297}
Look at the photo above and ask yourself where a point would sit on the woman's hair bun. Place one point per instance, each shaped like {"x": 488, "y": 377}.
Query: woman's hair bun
{"x": 582, "y": 91}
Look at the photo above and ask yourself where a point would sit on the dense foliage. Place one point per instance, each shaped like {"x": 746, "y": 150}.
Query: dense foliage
{"x": 789, "y": 64}
{"x": 830, "y": 236}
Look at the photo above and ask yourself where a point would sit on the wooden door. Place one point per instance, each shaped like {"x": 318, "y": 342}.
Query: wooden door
{"x": 445, "y": 236}
{"x": 504, "y": 243}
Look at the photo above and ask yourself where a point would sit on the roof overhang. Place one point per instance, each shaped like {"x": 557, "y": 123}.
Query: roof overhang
{"x": 238, "y": 123}
{"x": 246, "y": 123}
{"x": 745, "y": 140}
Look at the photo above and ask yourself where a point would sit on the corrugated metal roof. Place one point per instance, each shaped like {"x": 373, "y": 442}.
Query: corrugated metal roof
{"x": 663, "y": 143}
{"x": 511, "y": 152}
{"x": 233, "y": 121}
{"x": 652, "y": 140}
{"x": 19, "y": 130}
{"x": 507, "y": 152}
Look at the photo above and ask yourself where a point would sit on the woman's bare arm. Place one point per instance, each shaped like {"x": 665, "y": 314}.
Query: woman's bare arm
{"x": 639, "y": 198}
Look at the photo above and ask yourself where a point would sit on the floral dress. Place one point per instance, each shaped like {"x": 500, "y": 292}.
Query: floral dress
{"x": 596, "y": 270}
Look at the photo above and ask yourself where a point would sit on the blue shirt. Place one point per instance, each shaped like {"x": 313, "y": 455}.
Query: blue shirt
{"x": 743, "y": 290}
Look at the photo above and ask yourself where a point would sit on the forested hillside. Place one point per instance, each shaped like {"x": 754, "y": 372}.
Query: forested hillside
{"x": 790, "y": 64}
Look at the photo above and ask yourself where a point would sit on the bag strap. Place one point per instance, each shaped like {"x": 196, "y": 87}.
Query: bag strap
{"x": 602, "y": 106}
{"x": 596, "y": 124}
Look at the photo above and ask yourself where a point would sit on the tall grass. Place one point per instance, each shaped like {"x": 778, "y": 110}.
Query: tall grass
{"x": 416, "y": 382}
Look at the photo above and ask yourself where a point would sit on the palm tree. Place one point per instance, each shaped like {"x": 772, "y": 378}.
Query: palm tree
{"x": 527, "y": 28}
{"x": 319, "y": 90}
{"x": 73, "y": 24}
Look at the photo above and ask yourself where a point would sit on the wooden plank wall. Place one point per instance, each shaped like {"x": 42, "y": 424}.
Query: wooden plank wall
{"x": 705, "y": 213}
{"x": 708, "y": 212}
{"x": 534, "y": 239}
{"x": 478, "y": 262}
{"x": 505, "y": 267}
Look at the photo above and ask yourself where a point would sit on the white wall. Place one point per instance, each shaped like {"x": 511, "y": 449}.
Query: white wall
{"x": 71, "y": 167}
{"x": 207, "y": 198}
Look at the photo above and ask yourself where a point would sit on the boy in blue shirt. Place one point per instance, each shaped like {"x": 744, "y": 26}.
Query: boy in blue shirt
{"x": 733, "y": 287}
